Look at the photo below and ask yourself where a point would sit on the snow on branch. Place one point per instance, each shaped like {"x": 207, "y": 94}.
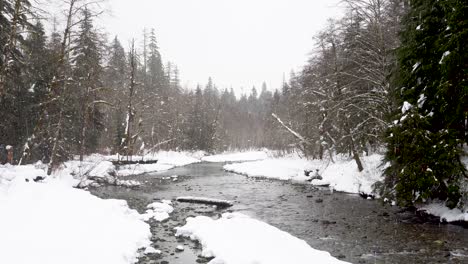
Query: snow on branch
{"x": 297, "y": 135}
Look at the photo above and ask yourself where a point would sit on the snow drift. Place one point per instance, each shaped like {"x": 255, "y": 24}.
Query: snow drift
{"x": 236, "y": 238}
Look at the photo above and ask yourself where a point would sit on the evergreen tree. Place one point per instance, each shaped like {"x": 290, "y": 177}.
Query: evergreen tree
{"x": 87, "y": 73}
{"x": 115, "y": 76}
{"x": 425, "y": 142}
{"x": 13, "y": 91}
{"x": 155, "y": 66}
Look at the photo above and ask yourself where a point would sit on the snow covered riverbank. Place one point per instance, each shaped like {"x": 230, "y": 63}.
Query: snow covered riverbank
{"x": 342, "y": 175}
{"x": 236, "y": 238}
{"x": 237, "y": 156}
{"x": 52, "y": 222}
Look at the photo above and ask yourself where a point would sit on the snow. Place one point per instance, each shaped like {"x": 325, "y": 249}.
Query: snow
{"x": 416, "y": 65}
{"x": 166, "y": 160}
{"x": 9, "y": 173}
{"x": 277, "y": 168}
{"x": 232, "y": 157}
{"x": 180, "y": 248}
{"x": 204, "y": 200}
{"x": 443, "y": 56}
{"x": 406, "y": 107}
{"x": 54, "y": 223}
{"x": 421, "y": 100}
{"x": 445, "y": 213}
{"x": 342, "y": 175}
{"x": 158, "y": 211}
{"x": 152, "y": 250}
{"x": 236, "y": 238}
{"x": 97, "y": 169}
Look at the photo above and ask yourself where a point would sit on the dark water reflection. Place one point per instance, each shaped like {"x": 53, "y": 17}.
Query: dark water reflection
{"x": 356, "y": 230}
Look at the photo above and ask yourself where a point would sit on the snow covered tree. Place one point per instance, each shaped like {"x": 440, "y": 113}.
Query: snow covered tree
{"x": 15, "y": 16}
{"x": 425, "y": 141}
{"x": 115, "y": 76}
{"x": 87, "y": 74}
{"x": 154, "y": 64}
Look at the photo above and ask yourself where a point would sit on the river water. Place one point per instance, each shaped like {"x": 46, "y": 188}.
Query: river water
{"x": 347, "y": 226}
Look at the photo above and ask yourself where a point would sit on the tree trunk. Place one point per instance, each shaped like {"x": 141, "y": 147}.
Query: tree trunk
{"x": 356, "y": 156}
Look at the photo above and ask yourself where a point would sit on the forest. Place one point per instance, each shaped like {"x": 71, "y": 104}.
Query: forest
{"x": 390, "y": 77}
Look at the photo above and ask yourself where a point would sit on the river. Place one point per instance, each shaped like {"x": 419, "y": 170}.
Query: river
{"x": 349, "y": 227}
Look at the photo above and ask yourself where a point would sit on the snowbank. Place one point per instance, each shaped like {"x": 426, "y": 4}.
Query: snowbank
{"x": 342, "y": 175}
{"x": 281, "y": 168}
{"x": 236, "y": 238}
{"x": 9, "y": 173}
{"x": 53, "y": 223}
{"x": 233, "y": 157}
{"x": 166, "y": 160}
{"x": 445, "y": 213}
{"x": 97, "y": 169}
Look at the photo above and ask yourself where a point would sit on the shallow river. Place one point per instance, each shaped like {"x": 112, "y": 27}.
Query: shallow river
{"x": 347, "y": 226}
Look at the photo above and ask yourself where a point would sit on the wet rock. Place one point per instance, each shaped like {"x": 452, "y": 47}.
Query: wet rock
{"x": 202, "y": 259}
{"x": 341, "y": 256}
{"x": 180, "y": 248}
{"x": 319, "y": 201}
{"x": 385, "y": 214}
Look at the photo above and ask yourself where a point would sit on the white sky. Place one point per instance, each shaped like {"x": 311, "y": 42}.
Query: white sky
{"x": 239, "y": 43}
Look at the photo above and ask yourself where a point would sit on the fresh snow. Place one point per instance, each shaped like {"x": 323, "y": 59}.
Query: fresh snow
{"x": 180, "y": 248}
{"x": 158, "y": 211}
{"x": 9, "y": 173}
{"x": 277, "y": 168}
{"x": 406, "y": 107}
{"x": 342, "y": 175}
{"x": 445, "y": 214}
{"x": 236, "y": 238}
{"x": 232, "y": 157}
{"x": 166, "y": 160}
{"x": 53, "y": 223}
{"x": 416, "y": 65}
{"x": 152, "y": 250}
{"x": 443, "y": 57}
{"x": 421, "y": 100}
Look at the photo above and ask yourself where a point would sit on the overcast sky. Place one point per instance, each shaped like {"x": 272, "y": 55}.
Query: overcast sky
{"x": 239, "y": 43}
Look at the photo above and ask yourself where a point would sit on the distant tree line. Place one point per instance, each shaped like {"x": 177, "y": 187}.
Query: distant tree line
{"x": 71, "y": 92}
{"x": 389, "y": 77}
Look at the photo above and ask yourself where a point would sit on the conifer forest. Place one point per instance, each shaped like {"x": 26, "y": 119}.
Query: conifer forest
{"x": 383, "y": 93}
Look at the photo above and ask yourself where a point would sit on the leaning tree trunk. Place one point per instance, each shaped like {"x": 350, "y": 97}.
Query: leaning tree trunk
{"x": 356, "y": 156}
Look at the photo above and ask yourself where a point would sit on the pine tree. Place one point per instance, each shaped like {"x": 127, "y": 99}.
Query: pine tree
{"x": 424, "y": 143}
{"x": 87, "y": 73}
{"x": 155, "y": 66}
{"x": 115, "y": 76}
{"x": 13, "y": 91}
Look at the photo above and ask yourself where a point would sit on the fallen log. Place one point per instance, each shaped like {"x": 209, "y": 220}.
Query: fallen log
{"x": 132, "y": 162}
{"x": 203, "y": 200}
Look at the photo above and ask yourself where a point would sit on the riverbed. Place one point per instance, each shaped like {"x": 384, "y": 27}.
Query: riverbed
{"x": 349, "y": 227}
